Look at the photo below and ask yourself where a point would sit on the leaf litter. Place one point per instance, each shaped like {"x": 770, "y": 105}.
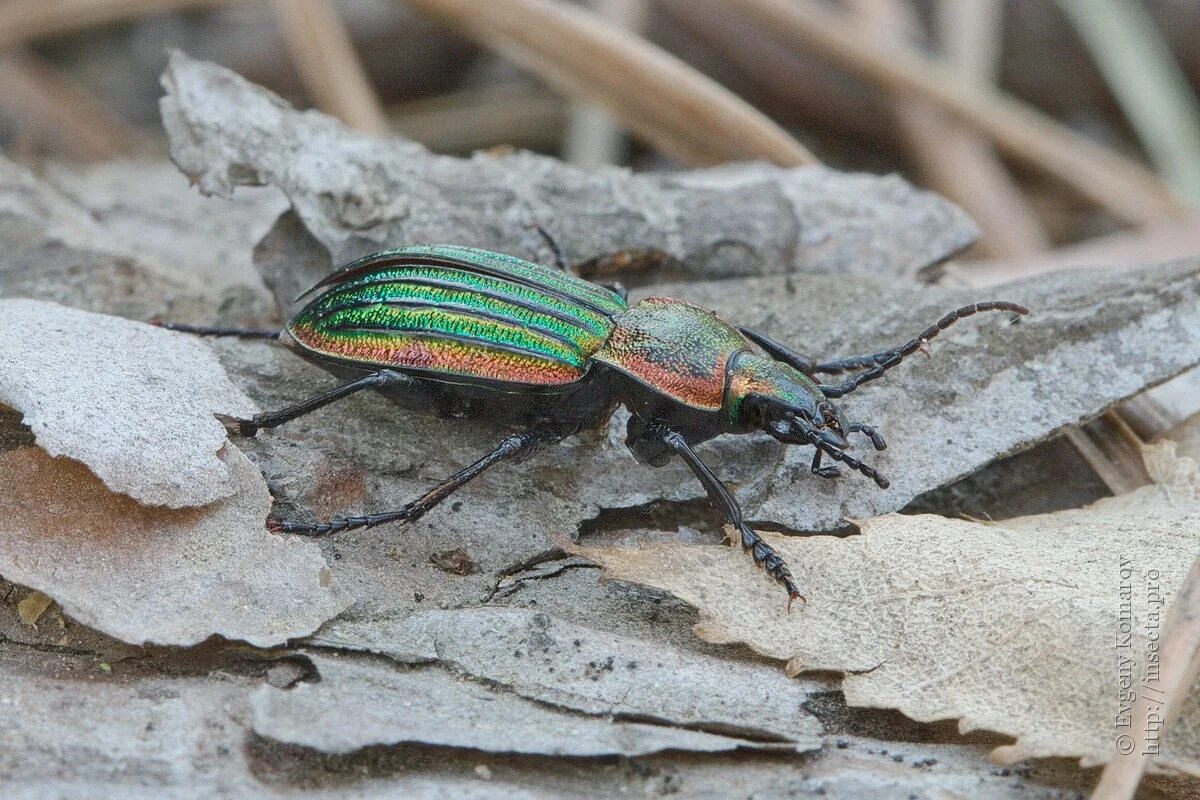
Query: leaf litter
{"x": 1013, "y": 627}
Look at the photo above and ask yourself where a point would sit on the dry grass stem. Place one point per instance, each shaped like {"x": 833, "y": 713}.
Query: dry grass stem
{"x": 320, "y": 47}
{"x": 1118, "y": 184}
{"x": 684, "y": 113}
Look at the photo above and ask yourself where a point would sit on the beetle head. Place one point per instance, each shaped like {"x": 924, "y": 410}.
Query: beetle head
{"x": 771, "y": 396}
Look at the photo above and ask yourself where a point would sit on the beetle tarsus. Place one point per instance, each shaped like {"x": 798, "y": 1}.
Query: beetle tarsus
{"x": 763, "y": 554}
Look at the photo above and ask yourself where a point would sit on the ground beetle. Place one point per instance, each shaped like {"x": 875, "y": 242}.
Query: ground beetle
{"x": 467, "y": 333}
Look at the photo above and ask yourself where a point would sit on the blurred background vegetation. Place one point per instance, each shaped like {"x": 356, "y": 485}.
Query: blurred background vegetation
{"x": 1066, "y": 125}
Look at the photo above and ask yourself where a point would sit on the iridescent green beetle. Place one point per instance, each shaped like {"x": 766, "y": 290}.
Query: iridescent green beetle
{"x": 468, "y": 333}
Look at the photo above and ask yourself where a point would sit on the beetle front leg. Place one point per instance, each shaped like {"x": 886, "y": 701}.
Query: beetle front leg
{"x": 763, "y": 554}
{"x": 826, "y": 471}
{"x": 513, "y": 446}
{"x": 271, "y": 419}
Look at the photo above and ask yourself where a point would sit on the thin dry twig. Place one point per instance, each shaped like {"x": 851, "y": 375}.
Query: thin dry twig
{"x": 593, "y": 137}
{"x": 323, "y": 53}
{"x": 654, "y": 94}
{"x": 56, "y": 109}
{"x": 1125, "y": 188}
{"x": 969, "y": 35}
{"x": 512, "y": 114}
{"x": 771, "y": 74}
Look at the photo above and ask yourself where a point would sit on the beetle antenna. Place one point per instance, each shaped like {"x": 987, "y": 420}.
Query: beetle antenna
{"x": 877, "y": 364}
{"x": 560, "y": 260}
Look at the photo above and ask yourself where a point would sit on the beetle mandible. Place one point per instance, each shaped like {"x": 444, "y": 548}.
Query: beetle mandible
{"x": 465, "y": 332}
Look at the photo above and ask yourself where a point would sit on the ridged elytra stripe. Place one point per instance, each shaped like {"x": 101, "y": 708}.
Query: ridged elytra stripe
{"x": 450, "y": 337}
{"x": 598, "y": 299}
{"x": 465, "y": 283}
{"x": 458, "y": 308}
{"x": 534, "y": 276}
{"x": 480, "y": 331}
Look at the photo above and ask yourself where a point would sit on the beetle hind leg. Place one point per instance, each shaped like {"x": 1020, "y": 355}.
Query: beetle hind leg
{"x": 515, "y": 445}
{"x": 273, "y": 419}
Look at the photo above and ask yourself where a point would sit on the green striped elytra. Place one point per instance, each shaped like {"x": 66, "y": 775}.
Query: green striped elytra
{"x": 467, "y": 333}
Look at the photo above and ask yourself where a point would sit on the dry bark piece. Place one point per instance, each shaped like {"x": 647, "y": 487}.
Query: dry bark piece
{"x": 158, "y": 575}
{"x": 342, "y": 713}
{"x": 124, "y": 239}
{"x": 358, "y": 194}
{"x": 134, "y": 402}
{"x": 150, "y": 208}
{"x": 1008, "y": 627}
{"x": 144, "y": 733}
{"x": 558, "y": 662}
{"x": 72, "y": 731}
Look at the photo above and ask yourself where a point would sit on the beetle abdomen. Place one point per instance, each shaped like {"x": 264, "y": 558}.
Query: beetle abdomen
{"x": 460, "y": 313}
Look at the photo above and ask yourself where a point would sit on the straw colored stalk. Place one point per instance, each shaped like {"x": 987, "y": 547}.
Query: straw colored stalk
{"x": 1118, "y": 184}
{"x": 654, "y": 94}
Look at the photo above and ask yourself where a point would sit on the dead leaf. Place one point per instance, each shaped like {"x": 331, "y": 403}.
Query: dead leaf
{"x": 157, "y": 575}
{"x": 1013, "y": 627}
{"x": 134, "y": 402}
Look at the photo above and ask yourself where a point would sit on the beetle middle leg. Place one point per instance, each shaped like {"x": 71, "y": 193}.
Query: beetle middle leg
{"x": 515, "y": 445}
{"x": 210, "y": 330}
{"x": 763, "y": 554}
{"x": 271, "y": 419}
